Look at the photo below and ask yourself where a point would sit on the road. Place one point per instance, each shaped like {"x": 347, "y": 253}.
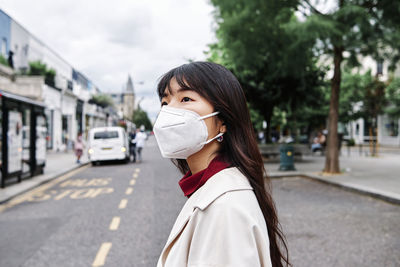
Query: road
{"x": 121, "y": 215}
{"x": 69, "y": 223}
{"x": 328, "y": 226}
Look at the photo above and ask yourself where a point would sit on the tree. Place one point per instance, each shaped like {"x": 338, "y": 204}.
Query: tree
{"x": 352, "y": 98}
{"x": 256, "y": 119}
{"x": 392, "y": 95}
{"x": 258, "y": 42}
{"x": 102, "y": 100}
{"x": 354, "y": 28}
{"x": 374, "y": 102}
{"x": 140, "y": 117}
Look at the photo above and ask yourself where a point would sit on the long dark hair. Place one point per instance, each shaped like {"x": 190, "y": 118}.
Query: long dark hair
{"x": 239, "y": 147}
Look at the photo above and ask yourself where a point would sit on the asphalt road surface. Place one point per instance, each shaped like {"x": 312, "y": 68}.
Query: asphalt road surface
{"x": 328, "y": 226}
{"x": 121, "y": 215}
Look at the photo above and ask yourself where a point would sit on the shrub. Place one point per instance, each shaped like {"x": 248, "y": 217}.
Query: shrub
{"x": 3, "y": 61}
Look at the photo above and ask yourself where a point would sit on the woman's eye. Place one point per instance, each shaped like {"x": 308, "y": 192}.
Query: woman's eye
{"x": 186, "y": 99}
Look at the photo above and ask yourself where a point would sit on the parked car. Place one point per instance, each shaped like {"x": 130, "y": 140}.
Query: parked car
{"x": 108, "y": 143}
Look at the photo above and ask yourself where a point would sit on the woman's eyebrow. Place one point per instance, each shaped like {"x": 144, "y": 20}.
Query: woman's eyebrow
{"x": 184, "y": 89}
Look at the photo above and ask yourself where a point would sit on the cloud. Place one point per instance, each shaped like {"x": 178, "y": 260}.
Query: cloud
{"x": 107, "y": 40}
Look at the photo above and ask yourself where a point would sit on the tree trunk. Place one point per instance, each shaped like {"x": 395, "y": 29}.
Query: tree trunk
{"x": 332, "y": 153}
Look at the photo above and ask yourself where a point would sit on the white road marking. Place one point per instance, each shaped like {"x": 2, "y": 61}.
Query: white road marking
{"x": 115, "y": 223}
{"x": 123, "y": 203}
{"x": 129, "y": 190}
{"x": 102, "y": 254}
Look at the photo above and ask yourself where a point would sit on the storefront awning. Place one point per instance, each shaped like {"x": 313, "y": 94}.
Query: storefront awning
{"x": 21, "y": 98}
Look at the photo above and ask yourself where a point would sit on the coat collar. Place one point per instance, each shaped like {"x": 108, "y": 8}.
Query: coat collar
{"x": 230, "y": 179}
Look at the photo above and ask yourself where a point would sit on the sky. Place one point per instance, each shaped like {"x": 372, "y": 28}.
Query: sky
{"x": 107, "y": 40}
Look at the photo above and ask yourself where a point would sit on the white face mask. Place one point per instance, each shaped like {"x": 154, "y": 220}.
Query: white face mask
{"x": 181, "y": 132}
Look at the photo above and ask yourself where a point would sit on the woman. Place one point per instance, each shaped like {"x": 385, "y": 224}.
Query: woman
{"x": 79, "y": 148}
{"x": 229, "y": 218}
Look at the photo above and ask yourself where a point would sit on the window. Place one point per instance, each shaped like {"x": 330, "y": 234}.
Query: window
{"x": 390, "y": 127}
{"x": 106, "y": 135}
{"x": 379, "y": 67}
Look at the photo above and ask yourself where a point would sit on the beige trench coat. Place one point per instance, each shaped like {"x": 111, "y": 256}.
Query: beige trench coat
{"x": 220, "y": 225}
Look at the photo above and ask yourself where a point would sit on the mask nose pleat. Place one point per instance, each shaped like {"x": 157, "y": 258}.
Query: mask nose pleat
{"x": 180, "y": 150}
{"x": 172, "y": 125}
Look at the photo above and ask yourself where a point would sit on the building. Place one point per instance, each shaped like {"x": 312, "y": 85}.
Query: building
{"x": 387, "y": 128}
{"x": 66, "y": 98}
{"x": 125, "y": 100}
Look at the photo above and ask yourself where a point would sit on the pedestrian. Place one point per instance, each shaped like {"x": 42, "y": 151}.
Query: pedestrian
{"x": 132, "y": 144}
{"x": 78, "y": 148}
{"x": 229, "y": 218}
{"x": 141, "y": 138}
{"x": 318, "y": 142}
{"x": 10, "y": 59}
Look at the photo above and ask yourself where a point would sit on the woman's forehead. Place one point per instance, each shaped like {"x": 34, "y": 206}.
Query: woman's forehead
{"x": 174, "y": 88}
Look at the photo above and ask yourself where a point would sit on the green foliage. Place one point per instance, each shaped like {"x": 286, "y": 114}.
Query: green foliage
{"x": 392, "y": 96}
{"x": 140, "y": 117}
{"x": 3, "y": 61}
{"x": 358, "y": 27}
{"x": 256, "y": 118}
{"x": 39, "y": 68}
{"x": 374, "y": 98}
{"x": 258, "y": 42}
{"x": 102, "y": 100}
{"x": 364, "y": 96}
{"x": 351, "y": 142}
{"x": 352, "y": 98}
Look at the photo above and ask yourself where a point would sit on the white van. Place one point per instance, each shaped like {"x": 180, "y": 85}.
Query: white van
{"x": 108, "y": 143}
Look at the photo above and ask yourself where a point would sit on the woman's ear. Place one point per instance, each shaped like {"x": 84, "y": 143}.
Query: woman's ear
{"x": 222, "y": 129}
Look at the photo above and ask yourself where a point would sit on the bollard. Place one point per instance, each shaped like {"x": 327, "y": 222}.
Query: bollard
{"x": 287, "y": 158}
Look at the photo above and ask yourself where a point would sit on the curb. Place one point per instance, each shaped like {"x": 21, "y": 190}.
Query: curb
{"x": 382, "y": 195}
{"x": 38, "y": 183}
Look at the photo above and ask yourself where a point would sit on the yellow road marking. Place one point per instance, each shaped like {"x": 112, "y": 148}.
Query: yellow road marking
{"x": 132, "y": 182}
{"x": 63, "y": 194}
{"x": 87, "y": 182}
{"x": 123, "y": 203}
{"x": 129, "y": 190}
{"x": 137, "y": 170}
{"x": 102, "y": 254}
{"x": 135, "y": 175}
{"x": 42, "y": 188}
{"x": 115, "y": 223}
{"x": 91, "y": 192}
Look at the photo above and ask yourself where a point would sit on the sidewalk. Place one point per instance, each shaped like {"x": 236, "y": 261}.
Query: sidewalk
{"x": 378, "y": 177}
{"x": 57, "y": 164}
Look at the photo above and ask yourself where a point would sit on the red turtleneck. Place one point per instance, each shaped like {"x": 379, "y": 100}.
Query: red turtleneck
{"x": 190, "y": 183}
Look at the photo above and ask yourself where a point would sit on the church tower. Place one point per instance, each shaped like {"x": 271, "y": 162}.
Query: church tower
{"x": 128, "y": 97}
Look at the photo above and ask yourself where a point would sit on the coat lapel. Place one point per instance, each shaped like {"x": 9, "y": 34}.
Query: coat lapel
{"x": 229, "y": 179}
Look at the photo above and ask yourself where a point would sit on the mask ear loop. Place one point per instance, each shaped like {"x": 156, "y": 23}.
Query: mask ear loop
{"x": 209, "y": 115}
{"x": 217, "y": 136}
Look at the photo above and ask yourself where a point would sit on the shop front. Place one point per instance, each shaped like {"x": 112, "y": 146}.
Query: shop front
{"x": 23, "y": 138}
